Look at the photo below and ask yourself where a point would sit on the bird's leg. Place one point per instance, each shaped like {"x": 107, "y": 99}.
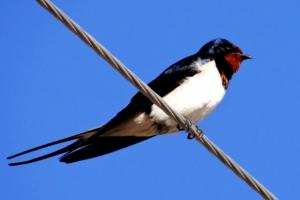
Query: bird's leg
{"x": 190, "y": 136}
{"x": 179, "y": 128}
{"x": 189, "y": 124}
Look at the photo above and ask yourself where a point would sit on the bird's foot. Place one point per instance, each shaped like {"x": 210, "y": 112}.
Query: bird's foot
{"x": 192, "y": 136}
{"x": 189, "y": 124}
{"x": 179, "y": 128}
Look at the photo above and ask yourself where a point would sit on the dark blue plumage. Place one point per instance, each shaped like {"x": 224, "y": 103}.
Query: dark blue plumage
{"x": 222, "y": 55}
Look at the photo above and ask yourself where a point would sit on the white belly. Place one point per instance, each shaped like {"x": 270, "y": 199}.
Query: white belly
{"x": 195, "y": 98}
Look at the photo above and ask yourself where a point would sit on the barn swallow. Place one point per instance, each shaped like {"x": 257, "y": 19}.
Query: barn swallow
{"x": 193, "y": 86}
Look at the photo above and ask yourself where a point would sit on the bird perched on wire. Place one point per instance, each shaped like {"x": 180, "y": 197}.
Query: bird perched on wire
{"x": 193, "y": 86}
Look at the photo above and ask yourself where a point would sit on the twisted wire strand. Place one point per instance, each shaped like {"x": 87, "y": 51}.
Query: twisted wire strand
{"x": 156, "y": 99}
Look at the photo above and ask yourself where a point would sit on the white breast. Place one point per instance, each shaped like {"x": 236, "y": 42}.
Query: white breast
{"x": 195, "y": 98}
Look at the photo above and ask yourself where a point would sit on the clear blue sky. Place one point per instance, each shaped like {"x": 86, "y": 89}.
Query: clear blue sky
{"x": 53, "y": 86}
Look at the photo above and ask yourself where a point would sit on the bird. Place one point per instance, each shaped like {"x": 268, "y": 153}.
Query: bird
{"x": 193, "y": 87}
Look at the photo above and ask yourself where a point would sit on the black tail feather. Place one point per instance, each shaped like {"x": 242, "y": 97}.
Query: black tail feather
{"x": 101, "y": 146}
{"x": 88, "y": 145}
{"x": 44, "y": 146}
{"x": 81, "y": 139}
{"x": 60, "y": 151}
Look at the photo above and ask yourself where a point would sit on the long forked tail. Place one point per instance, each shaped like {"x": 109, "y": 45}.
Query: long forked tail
{"x": 81, "y": 140}
{"x": 86, "y": 146}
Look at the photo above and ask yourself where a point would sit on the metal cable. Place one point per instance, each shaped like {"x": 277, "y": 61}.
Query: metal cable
{"x": 156, "y": 99}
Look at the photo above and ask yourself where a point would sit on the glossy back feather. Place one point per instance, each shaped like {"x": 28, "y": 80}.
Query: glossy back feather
{"x": 99, "y": 141}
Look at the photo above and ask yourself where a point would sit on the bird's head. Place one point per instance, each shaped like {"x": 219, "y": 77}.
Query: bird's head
{"x": 227, "y": 55}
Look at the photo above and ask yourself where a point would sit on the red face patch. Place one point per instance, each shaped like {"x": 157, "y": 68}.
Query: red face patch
{"x": 234, "y": 60}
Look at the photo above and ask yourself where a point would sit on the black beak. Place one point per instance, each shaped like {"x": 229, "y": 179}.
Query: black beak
{"x": 246, "y": 57}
